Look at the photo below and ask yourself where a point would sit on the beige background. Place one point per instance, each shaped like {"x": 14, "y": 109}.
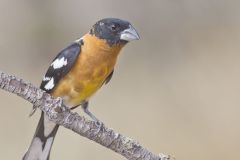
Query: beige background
{"x": 176, "y": 91}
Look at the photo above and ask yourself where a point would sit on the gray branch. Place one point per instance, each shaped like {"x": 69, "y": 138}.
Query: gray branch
{"x": 60, "y": 114}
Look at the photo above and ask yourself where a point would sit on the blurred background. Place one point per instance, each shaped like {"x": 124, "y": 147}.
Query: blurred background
{"x": 176, "y": 90}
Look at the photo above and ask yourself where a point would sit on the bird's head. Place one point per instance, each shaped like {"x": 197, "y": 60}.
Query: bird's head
{"x": 114, "y": 31}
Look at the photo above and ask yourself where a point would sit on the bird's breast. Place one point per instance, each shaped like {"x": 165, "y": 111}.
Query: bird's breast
{"x": 87, "y": 75}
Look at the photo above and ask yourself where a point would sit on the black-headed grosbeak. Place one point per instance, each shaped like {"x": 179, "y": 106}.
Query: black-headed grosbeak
{"x": 78, "y": 72}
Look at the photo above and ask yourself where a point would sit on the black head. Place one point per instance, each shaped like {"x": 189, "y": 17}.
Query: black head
{"x": 114, "y": 31}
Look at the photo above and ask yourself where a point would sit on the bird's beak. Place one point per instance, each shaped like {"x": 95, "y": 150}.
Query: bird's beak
{"x": 129, "y": 34}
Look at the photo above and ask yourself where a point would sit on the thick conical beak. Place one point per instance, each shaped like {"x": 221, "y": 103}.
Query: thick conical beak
{"x": 129, "y": 34}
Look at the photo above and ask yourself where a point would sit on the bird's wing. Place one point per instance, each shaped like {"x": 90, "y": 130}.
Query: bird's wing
{"x": 60, "y": 66}
{"x": 109, "y": 77}
{"x": 46, "y": 130}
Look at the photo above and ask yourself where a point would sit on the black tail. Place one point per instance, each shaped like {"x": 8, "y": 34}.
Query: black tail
{"x": 42, "y": 141}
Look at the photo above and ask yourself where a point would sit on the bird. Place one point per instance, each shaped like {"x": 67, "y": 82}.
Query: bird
{"x": 77, "y": 72}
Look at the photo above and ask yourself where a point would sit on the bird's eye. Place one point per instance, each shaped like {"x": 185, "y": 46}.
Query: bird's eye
{"x": 113, "y": 27}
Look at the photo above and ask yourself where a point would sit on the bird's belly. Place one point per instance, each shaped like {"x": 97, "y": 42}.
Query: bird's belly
{"x": 81, "y": 85}
{"x": 84, "y": 90}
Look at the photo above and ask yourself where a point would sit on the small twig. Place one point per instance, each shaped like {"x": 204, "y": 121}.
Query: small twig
{"x": 61, "y": 115}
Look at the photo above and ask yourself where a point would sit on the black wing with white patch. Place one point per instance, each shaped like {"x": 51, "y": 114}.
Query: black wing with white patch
{"x": 60, "y": 66}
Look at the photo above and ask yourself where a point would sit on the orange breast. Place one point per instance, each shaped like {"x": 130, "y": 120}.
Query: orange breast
{"x": 95, "y": 62}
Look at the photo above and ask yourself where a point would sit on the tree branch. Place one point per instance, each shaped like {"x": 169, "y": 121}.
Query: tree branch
{"x": 60, "y": 114}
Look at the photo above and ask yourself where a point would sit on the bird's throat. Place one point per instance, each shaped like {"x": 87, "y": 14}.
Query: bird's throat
{"x": 93, "y": 44}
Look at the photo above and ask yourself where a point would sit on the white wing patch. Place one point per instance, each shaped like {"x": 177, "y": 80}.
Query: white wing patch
{"x": 59, "y": 63}
{"x": 50, "y": 84}
{"x": 46, "y": 78}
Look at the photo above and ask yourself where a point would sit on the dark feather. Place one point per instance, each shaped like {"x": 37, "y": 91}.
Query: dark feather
{"x": 109, "y": 77}
{"x": 69, "y": 54}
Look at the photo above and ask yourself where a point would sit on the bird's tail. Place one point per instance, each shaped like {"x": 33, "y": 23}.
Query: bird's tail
{"x": 42, "y": 141}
